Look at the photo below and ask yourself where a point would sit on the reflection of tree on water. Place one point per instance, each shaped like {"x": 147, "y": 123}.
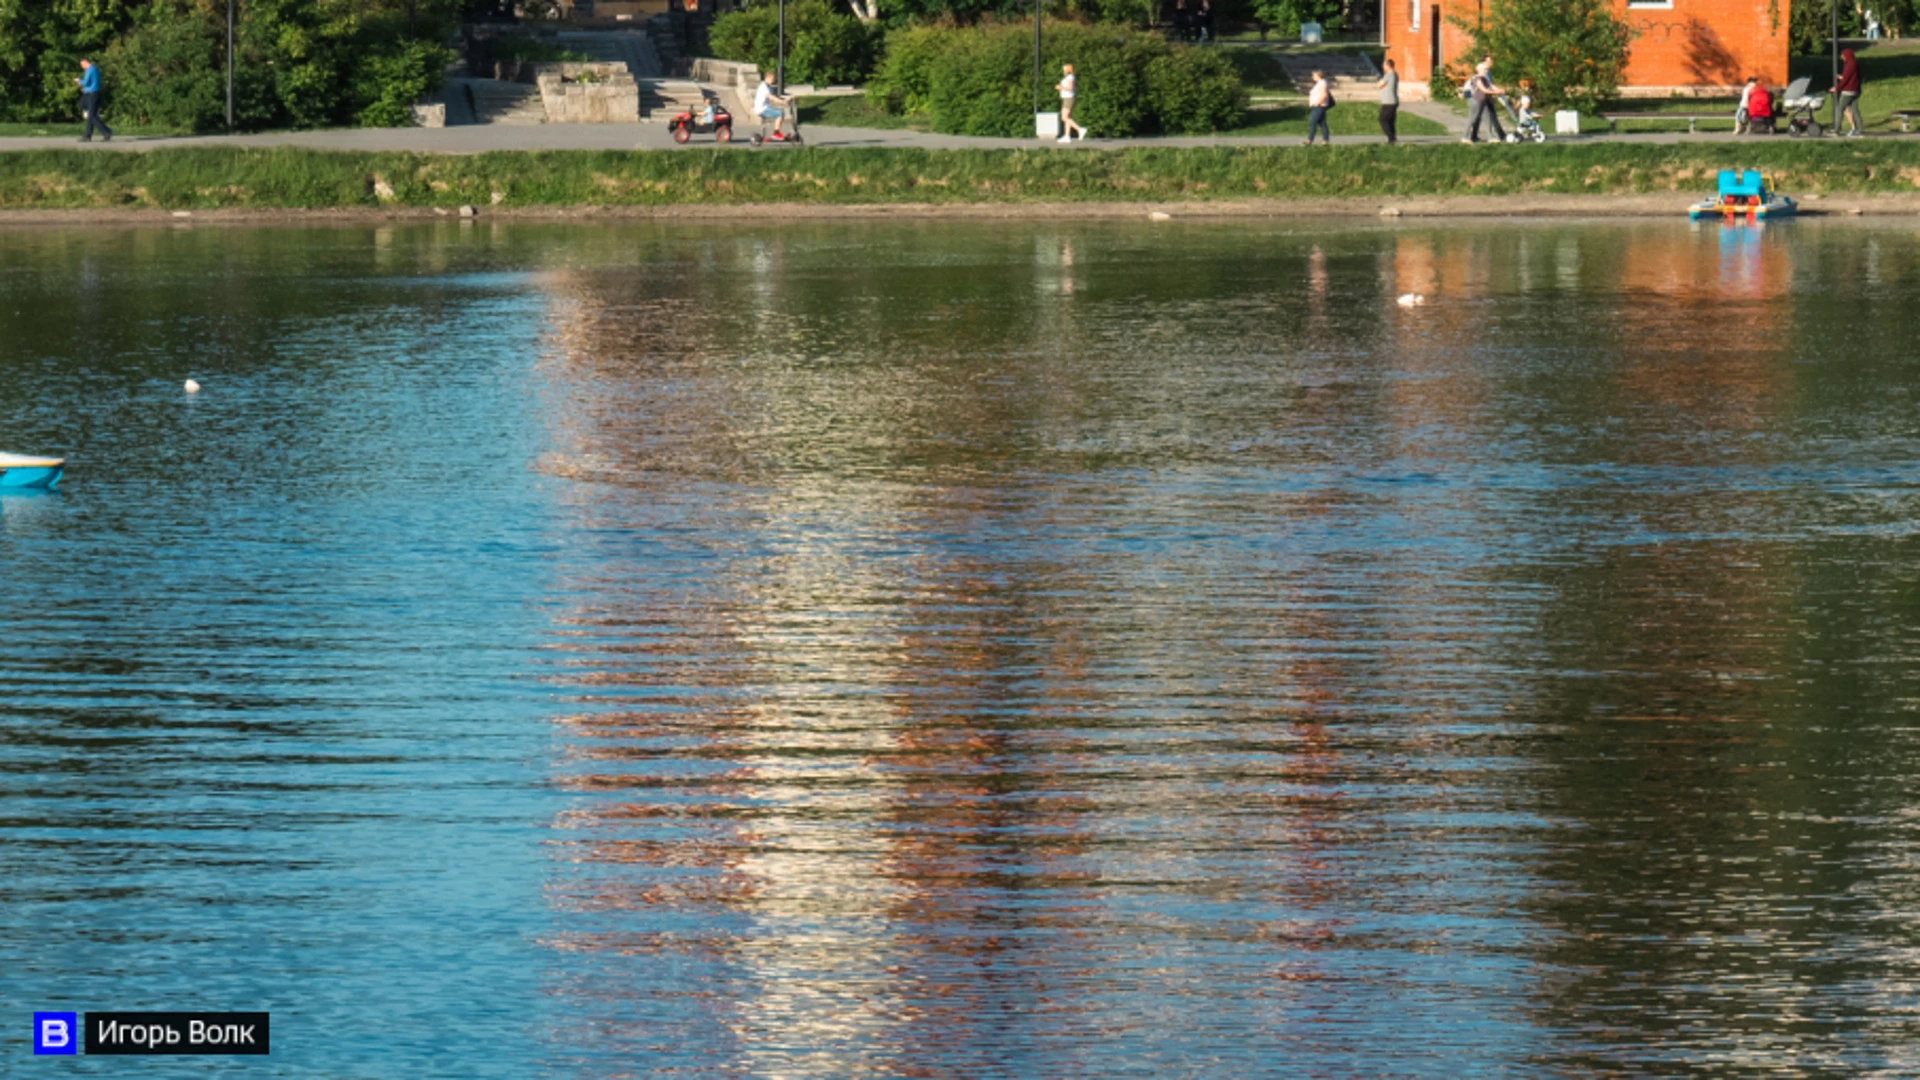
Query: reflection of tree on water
{"x": 982, "y": 638}
{"x": 1701, "y": 857}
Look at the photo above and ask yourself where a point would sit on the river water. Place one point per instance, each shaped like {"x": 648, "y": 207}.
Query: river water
{"x": 1012, "y": 649}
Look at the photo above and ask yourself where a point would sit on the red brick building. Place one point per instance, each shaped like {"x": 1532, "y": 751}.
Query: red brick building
{"x": 1680, "y": 46}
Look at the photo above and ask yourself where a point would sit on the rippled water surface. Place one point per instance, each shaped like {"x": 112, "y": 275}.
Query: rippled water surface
{"x": 989, "y": 650}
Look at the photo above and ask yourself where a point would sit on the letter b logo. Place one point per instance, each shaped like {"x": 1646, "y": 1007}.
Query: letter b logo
{"x": 56, "y": 1033}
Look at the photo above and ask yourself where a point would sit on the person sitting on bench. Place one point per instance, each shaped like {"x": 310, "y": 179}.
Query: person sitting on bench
{"x": 1756, "y": 110}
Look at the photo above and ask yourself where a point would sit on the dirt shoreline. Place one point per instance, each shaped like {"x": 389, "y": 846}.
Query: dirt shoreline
{"x": 1388, "y": 208}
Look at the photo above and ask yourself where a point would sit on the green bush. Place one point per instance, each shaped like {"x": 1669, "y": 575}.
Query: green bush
{"x": 823, "y": 46}
{"x": 387, "y": 85}
{"x": 981, "y": 83}
{"x": 1194, "y": 91}
{"x": 168, "y": 75}
{"x": 979, "y": 80}
{"x": 903, "y": 84}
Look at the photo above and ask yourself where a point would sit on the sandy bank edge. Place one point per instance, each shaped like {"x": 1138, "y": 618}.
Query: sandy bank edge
{"x": 1444, "y": 206}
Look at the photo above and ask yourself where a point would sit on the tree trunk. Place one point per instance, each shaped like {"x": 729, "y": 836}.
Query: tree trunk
{"x": 866, "y": 10}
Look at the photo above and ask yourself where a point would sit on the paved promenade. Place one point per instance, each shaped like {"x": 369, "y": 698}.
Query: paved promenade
{"x": 653, "y": 135}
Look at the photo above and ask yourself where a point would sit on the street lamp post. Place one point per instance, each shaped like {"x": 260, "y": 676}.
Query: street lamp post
{"x": 1833, "y": 10}
{"x": 1036, "y": 58}
{"x": 230, "y": 67}
{"x": 780, "y": 57}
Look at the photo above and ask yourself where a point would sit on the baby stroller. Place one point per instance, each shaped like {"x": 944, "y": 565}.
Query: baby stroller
{"x": 1802, "y": 108}
{"x": 1526, "y": 126}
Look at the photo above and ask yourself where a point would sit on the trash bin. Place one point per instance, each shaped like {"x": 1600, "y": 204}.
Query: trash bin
{"x": 1046, "y": 125}
{"x": 1309, "y": 33}
{"x": 1566, "y": 122}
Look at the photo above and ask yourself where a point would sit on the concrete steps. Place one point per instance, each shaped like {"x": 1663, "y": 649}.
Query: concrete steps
{"x": 492, "y": 101}
{"x": 665, "y": 97}
{"x": 1349, "y": 74}
{"x": 496, "y": 102}
{"x": 660, "y": 96}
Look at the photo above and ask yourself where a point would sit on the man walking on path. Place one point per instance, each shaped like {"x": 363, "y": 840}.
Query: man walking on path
{"x": 89, "y": 82}
{"x": 1482, "y": 91}
{"x": 1389, "y": 86}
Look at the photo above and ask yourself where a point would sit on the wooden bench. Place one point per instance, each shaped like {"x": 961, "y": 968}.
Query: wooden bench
{"x": 1906, "y": 118}
{"x": 1693, "y": 119}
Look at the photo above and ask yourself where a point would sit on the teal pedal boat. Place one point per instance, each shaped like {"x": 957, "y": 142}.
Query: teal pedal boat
{"x": 1744, "y": 193}
{"x": 18, "y": 472}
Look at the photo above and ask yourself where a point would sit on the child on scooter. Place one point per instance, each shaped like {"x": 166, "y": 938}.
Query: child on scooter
{"x": 768, "y": 105}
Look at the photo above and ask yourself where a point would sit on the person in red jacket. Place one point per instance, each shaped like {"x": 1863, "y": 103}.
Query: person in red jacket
{"x": 1849, "y": 90}
{"x": 1759, "y": 107}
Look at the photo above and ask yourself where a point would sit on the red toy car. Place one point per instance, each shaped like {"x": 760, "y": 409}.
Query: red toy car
{"x": 711, "y": 117}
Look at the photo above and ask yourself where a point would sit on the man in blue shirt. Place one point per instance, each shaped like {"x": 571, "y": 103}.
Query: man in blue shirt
{"x": 89, "y": 81}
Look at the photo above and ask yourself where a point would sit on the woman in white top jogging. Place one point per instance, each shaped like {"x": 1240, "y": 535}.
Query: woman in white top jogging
{"x": 1066, "y": 86}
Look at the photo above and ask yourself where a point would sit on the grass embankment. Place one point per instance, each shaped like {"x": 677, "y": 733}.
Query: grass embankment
{"x": 9, "y": 130}
{"x": 213, "y": 178}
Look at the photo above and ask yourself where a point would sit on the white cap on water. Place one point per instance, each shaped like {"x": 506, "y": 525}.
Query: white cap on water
{"x": 192, "y": 387}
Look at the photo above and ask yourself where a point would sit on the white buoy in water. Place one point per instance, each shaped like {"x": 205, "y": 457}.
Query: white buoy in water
{"x": 192, "y": 387}
{"x": 1411, "y": 300}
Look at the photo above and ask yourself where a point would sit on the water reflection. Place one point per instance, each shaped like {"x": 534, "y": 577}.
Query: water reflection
{"x": 1024, "y": 690}
{"x": 947, "y": 649}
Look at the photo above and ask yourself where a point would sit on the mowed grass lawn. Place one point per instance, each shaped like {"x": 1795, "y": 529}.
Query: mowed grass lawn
{"x": 1348, "y": 117}
{"x": 1889, "y": 75}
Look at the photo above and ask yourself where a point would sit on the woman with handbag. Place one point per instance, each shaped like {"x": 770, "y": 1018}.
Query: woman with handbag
{"x": 1319, "y": 100}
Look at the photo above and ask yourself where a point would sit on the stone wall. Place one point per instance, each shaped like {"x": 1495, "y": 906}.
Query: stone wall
{"x": 731, "y": 75}
{"x": 611, "y": 96}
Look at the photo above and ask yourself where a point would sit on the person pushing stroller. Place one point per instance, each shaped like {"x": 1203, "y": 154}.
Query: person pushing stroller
{"x": 1480, "y": 92}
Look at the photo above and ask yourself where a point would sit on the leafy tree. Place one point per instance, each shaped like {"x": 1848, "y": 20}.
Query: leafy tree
{"x": 1572, "y": 50}
{"x": 1286, "y": 16}
{"x": 303, "y": 63}
{"x": 41, "y": 43}
{"x": 823, "y": 45}
{"x": 903, "y": 12}
{"x": 168, "y": 71}
{"x": 1812, "y": 21}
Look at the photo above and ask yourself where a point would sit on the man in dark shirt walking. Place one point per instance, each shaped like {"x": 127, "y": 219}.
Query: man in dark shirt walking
{"x": 89, "y": 81}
